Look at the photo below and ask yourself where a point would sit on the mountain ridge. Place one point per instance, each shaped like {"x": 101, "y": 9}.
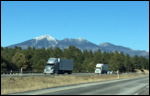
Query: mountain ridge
{"x": 81, "y": 43}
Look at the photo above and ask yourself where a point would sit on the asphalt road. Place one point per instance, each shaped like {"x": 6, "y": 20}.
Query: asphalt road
{"x": 144, "y": 91}
{"x": 127, "y": 86}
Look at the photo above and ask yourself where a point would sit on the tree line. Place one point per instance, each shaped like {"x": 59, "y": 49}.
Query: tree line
{"x": 32, "y": 59}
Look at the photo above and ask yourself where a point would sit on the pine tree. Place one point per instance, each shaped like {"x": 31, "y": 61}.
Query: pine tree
{"x": 91, "y": 66}
{"x": 57, "y": 53}
{"x": 143, "y": 62}
{"x": 136, "y": 62}
{"x": 2, "y": 48}
{"x": 70, "y": 51}
{"x": 85, "y": 53}
{"x": 3, "y": 67}
{"x": 85, "y": 64}
{"x": 40, "y": 65}
{"x": 6, "y": 55}
{"x": 115, "y": 62}
{"x": 147, "y": 67}
{"x": 38, "y": 54}
{"x": 19, "y": 60}
{"x": 97, "y": 57}
{"x": 79, "y": 59}
{"x": 104, "y": 58}
{"x": 49, "y": 51}
{"x": 29, "y": 55}
{"x": 127, "y": 63}
{"x": 122, "y": 61}
{"x": 91, "y": 55}
{"x": 88, "y": 57}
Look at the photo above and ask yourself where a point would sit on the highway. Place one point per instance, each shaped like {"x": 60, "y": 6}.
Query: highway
{"x": 127, "y": 86}
{"x": 6, "y": 75}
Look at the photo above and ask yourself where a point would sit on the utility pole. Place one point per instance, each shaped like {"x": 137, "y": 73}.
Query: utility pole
{"x": 118, "y": 73}
{"x": 21, "y": 72}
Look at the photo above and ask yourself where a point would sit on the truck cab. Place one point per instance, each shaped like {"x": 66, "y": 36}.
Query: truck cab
{"x": 51, "y": 66}
{"x": 59, "y": 66}
{"x": 101, "y": 68}
{"x": 98, "y": 70}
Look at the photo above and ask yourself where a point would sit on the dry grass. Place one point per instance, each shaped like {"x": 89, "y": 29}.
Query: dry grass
{"x": 146, "y": 71}
{"x": 139, "y": 71}
{"x": 22, "y": 84}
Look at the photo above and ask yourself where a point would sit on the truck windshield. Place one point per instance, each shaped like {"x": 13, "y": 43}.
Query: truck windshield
{"x": 49, "y": 65}
{"x": 98, "y": 68}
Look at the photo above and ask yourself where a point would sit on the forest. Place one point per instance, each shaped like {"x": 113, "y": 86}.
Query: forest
{"x": 32, "y": 59}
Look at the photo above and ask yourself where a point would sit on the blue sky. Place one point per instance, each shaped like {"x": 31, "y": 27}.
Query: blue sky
{"x": 124, "y": 23}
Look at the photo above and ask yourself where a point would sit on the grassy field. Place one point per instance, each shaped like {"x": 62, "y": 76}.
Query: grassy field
{"x": 22, "y": 84}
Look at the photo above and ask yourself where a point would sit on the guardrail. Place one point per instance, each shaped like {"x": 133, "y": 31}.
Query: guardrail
{"x": 31, "y": 72}
{"x": 40, "y": 72}
{"x": 18, "y": 72}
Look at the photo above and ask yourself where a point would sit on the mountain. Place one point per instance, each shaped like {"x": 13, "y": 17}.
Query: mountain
{"x": 111, "y": 48}
{"x": 48, "y": 41}
{"x": 80, "y": 43}
{"x": 38, "y": 42}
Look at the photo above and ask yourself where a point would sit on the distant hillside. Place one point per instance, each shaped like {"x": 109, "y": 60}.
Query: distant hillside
{"x": 48, "y": 41}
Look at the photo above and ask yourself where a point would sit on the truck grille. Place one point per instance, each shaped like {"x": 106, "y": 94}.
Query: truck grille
{"x": 47, "y": 69}
{"x": 97, "y": 71}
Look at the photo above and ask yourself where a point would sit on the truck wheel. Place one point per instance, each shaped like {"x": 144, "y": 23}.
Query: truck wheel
{"x": 69, "y": 72}
{"x": 62, "y": 72}
{"x": 58, "y": 72}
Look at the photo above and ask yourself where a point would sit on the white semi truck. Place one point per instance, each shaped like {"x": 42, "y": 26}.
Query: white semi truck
{"x": 101, "y": 68}
{"x": 59, "y": 66}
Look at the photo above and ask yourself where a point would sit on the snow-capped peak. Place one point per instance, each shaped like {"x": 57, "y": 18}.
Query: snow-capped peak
{"x": 49, "y": 38}
{"x": 80, "y": 39}
{"x": 68, "y": 39}
{"x": 104, "y": 44}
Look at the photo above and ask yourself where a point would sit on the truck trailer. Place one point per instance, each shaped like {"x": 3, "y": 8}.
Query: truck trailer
{"x": 101, "y": 68}
{"x": 59, "y": 66}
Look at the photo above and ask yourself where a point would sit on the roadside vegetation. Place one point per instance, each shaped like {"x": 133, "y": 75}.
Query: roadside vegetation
{"x": 29, "y": 83}
{"x": 33, "y": 59}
